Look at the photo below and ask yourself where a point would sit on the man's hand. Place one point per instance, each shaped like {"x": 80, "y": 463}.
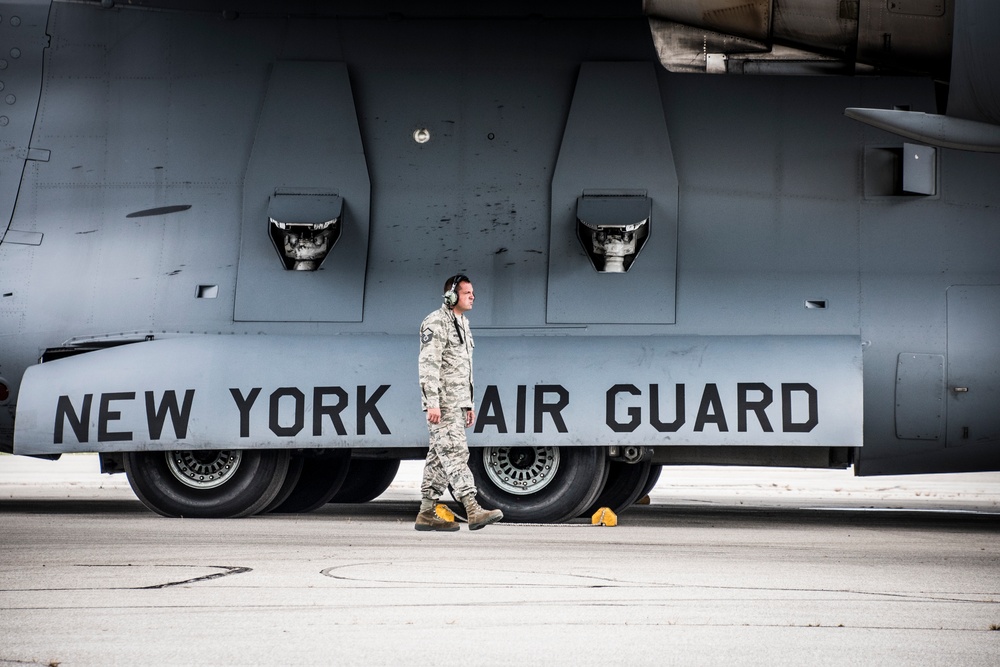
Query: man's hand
{"x": 434, "y": 416}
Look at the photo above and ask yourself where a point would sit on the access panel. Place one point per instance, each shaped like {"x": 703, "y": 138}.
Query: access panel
{"x": 973, "y": 365}
{"x": 613, "y": 238}
{"x": 306, "y": 199}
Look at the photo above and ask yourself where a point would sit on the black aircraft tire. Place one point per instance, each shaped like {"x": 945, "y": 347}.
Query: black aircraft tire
{"x": 654, "y": 477}
{"x": 246, "y": 481}
{"x": 367, "y": 479}
{"x": 295, "y": 465}
{"x": 322, "y": 476}
{"x": 578, "y": 477}
{"x": 624, "y": 486}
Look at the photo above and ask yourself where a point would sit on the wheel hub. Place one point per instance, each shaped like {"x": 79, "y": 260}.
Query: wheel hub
{"x": 203, "y": 469}
{"x": 521, "y": 470}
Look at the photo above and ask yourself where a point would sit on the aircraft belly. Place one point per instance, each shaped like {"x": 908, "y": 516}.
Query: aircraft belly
{"x": 208, "y": 392}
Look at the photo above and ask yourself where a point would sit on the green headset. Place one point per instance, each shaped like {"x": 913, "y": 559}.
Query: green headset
{"x": 451, "y": 294}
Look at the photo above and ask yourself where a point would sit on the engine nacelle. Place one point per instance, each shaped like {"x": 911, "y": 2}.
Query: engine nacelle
{"x": 803, "y": 36}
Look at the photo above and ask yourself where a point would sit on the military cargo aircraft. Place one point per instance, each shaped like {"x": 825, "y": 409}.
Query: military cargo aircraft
{"x": 753, "y": 232}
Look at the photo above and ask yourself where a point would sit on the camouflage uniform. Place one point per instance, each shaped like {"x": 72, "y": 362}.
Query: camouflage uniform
{"x": 446, "y": 382}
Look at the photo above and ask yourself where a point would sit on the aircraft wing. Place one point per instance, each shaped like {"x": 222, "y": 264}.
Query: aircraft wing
{"x": 953, "y": 42}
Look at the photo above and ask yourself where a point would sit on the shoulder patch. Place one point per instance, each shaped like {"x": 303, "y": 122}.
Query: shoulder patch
{"x": 426, "y": 335}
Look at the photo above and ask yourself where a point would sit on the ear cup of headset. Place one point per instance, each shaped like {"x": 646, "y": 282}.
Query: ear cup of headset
{"x": 451, "y": 296}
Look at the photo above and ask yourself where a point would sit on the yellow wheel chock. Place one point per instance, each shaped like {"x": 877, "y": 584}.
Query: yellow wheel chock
{"x": 604, "y": 517}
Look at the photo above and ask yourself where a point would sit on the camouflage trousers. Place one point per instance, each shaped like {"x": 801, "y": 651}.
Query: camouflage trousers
{"x": 448, "y": 458}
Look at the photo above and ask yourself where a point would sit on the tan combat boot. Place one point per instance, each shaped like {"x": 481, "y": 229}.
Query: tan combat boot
{"x": 478, "y": 517}
{"x": 429, "y": 520}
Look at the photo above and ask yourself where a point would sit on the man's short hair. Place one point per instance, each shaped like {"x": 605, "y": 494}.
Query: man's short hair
{"x": 454, "y": 281}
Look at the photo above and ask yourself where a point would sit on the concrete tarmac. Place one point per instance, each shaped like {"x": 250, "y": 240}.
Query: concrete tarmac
{"x": 725, "y": 566}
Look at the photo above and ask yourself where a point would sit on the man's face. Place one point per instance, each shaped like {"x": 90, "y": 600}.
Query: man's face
{"x": 465, "y": 297}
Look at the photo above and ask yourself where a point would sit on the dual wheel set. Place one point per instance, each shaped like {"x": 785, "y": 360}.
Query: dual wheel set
{"x": 530, "y": 484}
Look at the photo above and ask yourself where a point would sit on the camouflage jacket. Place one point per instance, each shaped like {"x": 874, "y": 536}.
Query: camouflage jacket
{"x": 446, "y": 361}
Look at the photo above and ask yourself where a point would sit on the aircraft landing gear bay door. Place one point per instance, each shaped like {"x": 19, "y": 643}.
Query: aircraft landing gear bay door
{"x": 973, "y": 365}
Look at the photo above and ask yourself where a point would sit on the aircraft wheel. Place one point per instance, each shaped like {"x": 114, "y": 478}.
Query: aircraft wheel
{"x": 624, "y": 486}
{"x": 367, "y": 479}
{"x": 323, "y": 473}
{"x": 654, "y": 477}
{"x": 295, "y": 465}
{"x": 538, "y": 484}
{"x": 208, "y": 484}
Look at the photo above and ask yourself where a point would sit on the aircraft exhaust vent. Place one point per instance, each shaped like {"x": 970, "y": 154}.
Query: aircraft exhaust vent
{"x": 613, "y": 228}
{"x": 304, "y": 228}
